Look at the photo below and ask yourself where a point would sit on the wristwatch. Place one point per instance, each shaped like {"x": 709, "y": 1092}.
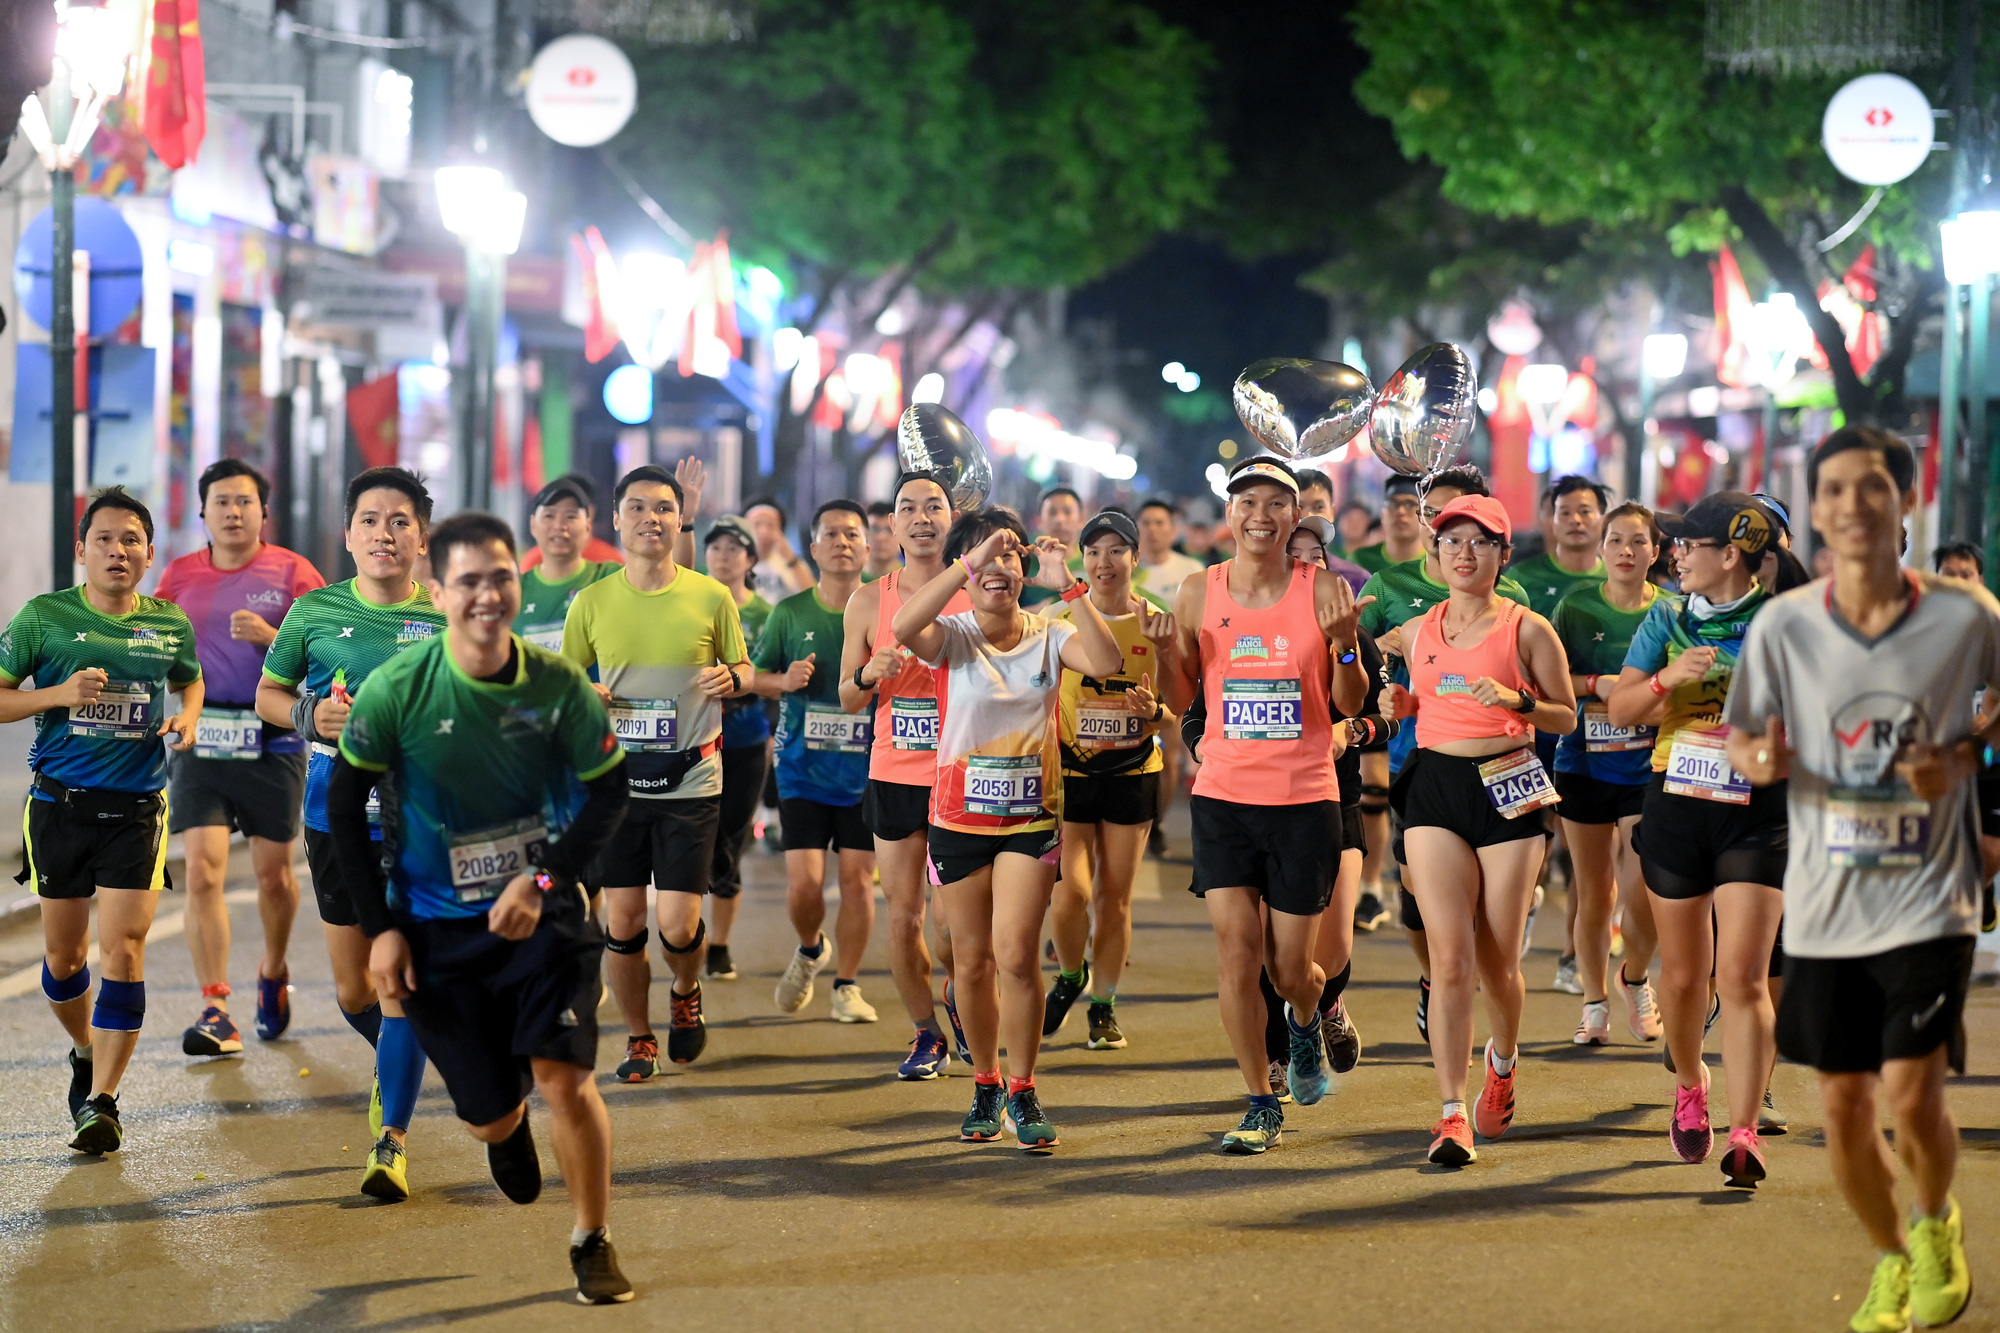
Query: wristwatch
{"x": 1527, "y": 705}
{"x": 1347, "y": 655}
{"x": 735, "y": 681}
{"x": 859, "y": 683}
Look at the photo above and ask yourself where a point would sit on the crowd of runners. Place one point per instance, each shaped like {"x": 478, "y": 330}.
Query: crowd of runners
{"x": 1769, "y": 796}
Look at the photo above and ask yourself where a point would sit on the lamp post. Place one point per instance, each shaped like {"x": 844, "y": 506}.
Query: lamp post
{"x": 1662, "y": 356}
{"x": 481, "y": 211}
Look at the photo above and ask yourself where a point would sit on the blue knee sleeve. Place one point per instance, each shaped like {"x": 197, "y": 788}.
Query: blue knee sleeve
{"x": 121, "y": 1006}
{"x": 399, "y": 1063}
{"x": 68, "y": 988}
{"x": 368, "y": 1022}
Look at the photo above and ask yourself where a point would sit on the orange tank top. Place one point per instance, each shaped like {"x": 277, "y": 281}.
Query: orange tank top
{"x": 1441, "y": 679}
{"x": 906, "y": 704}
{"x": 1269, "y": 732}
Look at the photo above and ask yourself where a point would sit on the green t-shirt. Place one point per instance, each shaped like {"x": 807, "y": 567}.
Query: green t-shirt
{"x": 544, "y": 605}
{"x": 744, "y": 721}
{"x": 1374, "y": 558}
{"x": 1596, "y": 636}
{"x": 112, "y": 743}
{"x": 1034, "y": 597}
{"x": 532, "y": 742}
{"x": 648, "y": 648}
{"x": 1548, "y": 582}
{"x": 822, "y": 749}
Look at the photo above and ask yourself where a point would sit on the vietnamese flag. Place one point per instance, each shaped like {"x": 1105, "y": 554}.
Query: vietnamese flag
{"x": 176, "y": 90}
{"x": 1732, "y": 313}
{"x": 374, "y": 413}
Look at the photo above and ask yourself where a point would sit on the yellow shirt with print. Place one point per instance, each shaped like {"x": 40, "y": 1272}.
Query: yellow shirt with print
{"x": 1096, "y": 708}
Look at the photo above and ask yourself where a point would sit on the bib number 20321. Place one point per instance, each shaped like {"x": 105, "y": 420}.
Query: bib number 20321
{"x": 121, "y": 712}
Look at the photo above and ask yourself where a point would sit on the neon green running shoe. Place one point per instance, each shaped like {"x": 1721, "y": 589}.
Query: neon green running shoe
{"x": 375, "y": 1109}
{"x": 387, "y": 1175}
{"x": 1940, "y": 1280}
{"x": 1886, "y": 1308}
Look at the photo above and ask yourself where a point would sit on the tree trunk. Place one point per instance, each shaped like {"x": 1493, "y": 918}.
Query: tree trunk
{"x": 1857, "y": 402}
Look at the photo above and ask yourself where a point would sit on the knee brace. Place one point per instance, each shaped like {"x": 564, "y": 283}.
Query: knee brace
{"x": 1374, "y": 799}
{"x": 700, "y": 934}
{"x": 637, "y": 944}
{"x": 121, "y": 1006}
{"x": 66, "y": 989}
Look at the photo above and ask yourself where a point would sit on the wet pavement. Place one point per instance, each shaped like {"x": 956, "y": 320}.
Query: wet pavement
{"x": 787, "y": 1179}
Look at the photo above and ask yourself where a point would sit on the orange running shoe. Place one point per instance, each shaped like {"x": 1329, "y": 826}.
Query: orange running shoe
{"x": 1451, "y": 1144}
{"x": 1494, "y": 1111}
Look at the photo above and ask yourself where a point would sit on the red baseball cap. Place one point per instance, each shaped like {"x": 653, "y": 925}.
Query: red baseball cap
{"x": 1484, "y": 510}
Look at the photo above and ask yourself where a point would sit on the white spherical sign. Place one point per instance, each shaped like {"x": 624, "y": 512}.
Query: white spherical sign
{"x": 1877, "y": 129}
{"x": 581, "y": 90}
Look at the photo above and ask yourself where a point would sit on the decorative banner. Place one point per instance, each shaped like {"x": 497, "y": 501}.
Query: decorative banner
{"x": 1732, "y": 323}
{"x": 599, "y": 270}
{"x": 344, "y": 203}
{"x": 374, "y": 414}
{"x": 176, "y": 87}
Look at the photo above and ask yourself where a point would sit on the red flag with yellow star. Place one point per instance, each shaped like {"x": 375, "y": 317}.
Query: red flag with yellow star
{"x": 176, "y": 89}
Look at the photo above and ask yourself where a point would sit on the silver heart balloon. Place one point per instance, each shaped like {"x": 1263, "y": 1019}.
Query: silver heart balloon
{"x": 1301, "y": 409}
{"x": 931, "y": 439}
{"x": 1426, "y": 411}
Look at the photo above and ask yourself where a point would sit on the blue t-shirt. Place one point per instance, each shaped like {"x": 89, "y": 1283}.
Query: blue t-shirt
{"x": 1596, "y": 636}
{"x": 822, "y": 749}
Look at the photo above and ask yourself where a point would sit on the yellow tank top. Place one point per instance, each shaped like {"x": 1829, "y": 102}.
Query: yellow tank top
{"x": 1094, "y": 723}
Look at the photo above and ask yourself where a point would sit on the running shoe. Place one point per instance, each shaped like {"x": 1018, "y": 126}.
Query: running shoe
{"x": 642, "y": 1060}
{"x": 1281, "y": 1084}
{"x": 1568, "y": 980}
{"x": 97, "y": 1128}
{"x": 1743, "y": 1160}
{"x": 516, "y": 1166}
{"x": 598, "y": 1279}
{"x": 849, "y": 1007}
{"x": 212, "y": 1034}
{"x": 926, "y": 1060}
{"x": 718, "y": 967}
{"x": 687, "y": 1034}
{"x": 1642, "y": 1009}
{"x": 1105, "y": 1034}
{"x": 1451, "y": 1143}
{"x": 1708, "y": 1026}
{"x": 274, "y": 1006}
{"x": 1027, "y": 1121}
{"x": 964, "y": 1052}
{"x": 375, "y": 1109}
{"x": 1370, "y": 914}
{"x": 1343, "y": 1039}
{"x": 1063, "y": 995}
{"x": 982, "y": 1122}
{"x": 1693, "y": 1139}
{"x": 1493, "y": 1113}
{"x": 1617, "y": 941}
{"x": 795, "y": 988}
{"x": 1262, "y": 1127}
{"x": 82, "y": 1069}
{"x": 1770, "y": 1120}
{"x": 1594, "y": 1029}
{"x": 1309, "y": 1080}
{"x": 1886, "y": 1307}
{"x": 1940, "y": 1282}
{"x": 1424, "y": 1009}
{"x": 1534, "y": 910}
{"x": 387, "y": 1175}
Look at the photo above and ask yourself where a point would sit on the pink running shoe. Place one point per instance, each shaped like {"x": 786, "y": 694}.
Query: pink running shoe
{"x": 1693, "y": 1139}
{"x": 1743, "y": 1160}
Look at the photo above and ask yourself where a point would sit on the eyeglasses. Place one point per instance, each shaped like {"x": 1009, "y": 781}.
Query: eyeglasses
{"x": 1479, "y": 546}
{"x": 1691, "y": 543}
{"x": 1431, "y": 512}
{"x": 1405, "y": 504}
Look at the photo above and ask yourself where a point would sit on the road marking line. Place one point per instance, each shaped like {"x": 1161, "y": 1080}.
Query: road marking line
{"x": 166, "y": 927}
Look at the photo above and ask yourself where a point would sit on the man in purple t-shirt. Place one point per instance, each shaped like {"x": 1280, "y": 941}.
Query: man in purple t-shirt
{"x": 238, "y": 775}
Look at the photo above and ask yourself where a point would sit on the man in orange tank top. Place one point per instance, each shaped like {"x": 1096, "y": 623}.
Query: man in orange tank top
{"x": 1269, "y": 644}
{"x": 879, "y": 673}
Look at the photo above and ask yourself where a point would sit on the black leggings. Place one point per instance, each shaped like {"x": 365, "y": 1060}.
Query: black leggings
{"x": 742, "y": 783}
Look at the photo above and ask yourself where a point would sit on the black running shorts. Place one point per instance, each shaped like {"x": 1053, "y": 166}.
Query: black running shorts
{"x": 1848, "y": 1015}
{"x": 336, "y": 908}
{"x": 1688, "y": 845}
{"x": 1445, "y": 791}
{"x": 669, "y": 844}
{"x": 1353, "y": 830}
{"x": 896, "y": 810}
{"x": 1589, "y": 800}
{"x": 813, "y": 827}
{"x": 1124, "y": 798}
{"x": 259, "y": 798}
{"x": 70, "y": 854}
{"x": 956, "y": 856}
{"x": 1288, "y": 853}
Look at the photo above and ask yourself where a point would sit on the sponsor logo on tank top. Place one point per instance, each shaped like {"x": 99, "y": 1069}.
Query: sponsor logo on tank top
{"x": 1871, "y": 730}
{"x": 150, "y": 642}
{"x": 268, "y": 597}
{"x": 1453, "y": 683}
{"x": 1249, "y": 645}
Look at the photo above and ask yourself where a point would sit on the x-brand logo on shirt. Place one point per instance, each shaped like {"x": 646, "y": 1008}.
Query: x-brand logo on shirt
{"x": 1416, "y": 601}
{"x": 444, "y": 727}
{"x": 1225, "y": 624}
{"x": 1597, "y": 637}
{"x": 82, "y": 636}
{"x": 809, "y": 636}
{"x": 1430, "y": 659}
{"x": 347, "y": 631}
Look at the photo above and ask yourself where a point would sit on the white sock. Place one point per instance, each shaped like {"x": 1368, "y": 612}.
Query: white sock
{"x": 578, "y": 1235}
{"x": 1502, "y": 1067}
{"x": 83, "y": 1052}
{"x": 1597, "y": 1008}
{"x": 1453, "y": 1108}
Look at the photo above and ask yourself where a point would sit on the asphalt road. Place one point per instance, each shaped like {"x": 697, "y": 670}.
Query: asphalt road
{"x": 787, "y": 1179}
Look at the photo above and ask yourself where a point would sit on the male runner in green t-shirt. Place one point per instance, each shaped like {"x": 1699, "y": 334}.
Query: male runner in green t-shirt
{"x": 1577, "y": 527}
{"x": 1402, "y": 527}
{"x": 560, "y": 521}
{"x": 103, "y": 658}
{"x": 731, "y": 553}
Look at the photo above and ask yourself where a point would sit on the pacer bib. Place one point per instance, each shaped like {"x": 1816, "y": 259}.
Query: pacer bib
{"x": 1698, "y": 765}
{"x": 645, "y": 724}
{"x": 1262, "y": 710}
{"x": 229, "y": 733}
{"x": 1517, "y": 783}
{"x": 1870, "y": 827}
{"x": 120, "y": 712}
{"x": 914, "y": 723}
{"x": 1004, "y": 785}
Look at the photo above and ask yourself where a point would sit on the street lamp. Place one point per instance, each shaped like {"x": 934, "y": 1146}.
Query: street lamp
{"x": 477, "y": 207}
{"x": 93, "y": 46}
{"x": 1778, "y": 335}
{"x": 1970, "y": 242}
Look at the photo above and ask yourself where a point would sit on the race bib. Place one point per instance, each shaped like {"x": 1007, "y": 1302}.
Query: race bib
{"x": 1262, "y": 710}
{"x": 121, "y": 713}
{"x": 549, "y": 638}
{"x": 229, "y": 733}
{"x": 913, "y": 724}
{"x": 1517, "y": 783}
{"x": 483, "y": 862}
{"x": 1601, "y": 737}
{"x": 645, "y": 724}
{"x": 829, "y": 728}
{"x": 1698, "y": 765}
{"x": 1004, "y": 785}
{"x": 1108, "y": 726}
{"x": 1870, "y": 827}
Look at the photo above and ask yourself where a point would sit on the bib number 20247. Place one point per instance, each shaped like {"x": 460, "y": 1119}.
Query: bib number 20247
{"x": 1262, "y": 710}
{"x": 228, "y": 733}
{"x": 1003, "y": 785}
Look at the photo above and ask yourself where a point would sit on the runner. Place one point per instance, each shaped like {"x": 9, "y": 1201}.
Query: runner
{"x": 235, "y": 592}
{"x": 560, "y": 520}
{"x": 995, "y": 806}
{"x": 1162, "y": 569}
{"x": 822, "y": 769}
{"x": 746, "y": 744}
{"x": 595, "y": 549}
{"x": 1962, "y": 561}
{"x": 1862, "y": 691}
{"x": 103, "y": 658}
{"x": 1713, "y": 848}
{"x": 1404, "y": 536}
{"x": 1354, "y": 523}
{"x": 1059, "y": 514}
{"x": 668, "y": 646}
{"x": 877, "y": 672}
{"x": 331, "y": 640}
{"x": 780, "y": 572}
{"x": 1111, "y": 768}
{"x": 884, "y": 555}
{"x": 1601, "y": 775}
{"x": 1316, "y": 498}
{"x": 481, "y": 929}
{"x": 1257, "y": 639}
{"x": 1485, "y": 674}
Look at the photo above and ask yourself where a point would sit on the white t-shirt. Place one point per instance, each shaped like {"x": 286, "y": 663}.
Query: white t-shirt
{"x": 999, "y": 765}
{"x": 1164, "y": 579}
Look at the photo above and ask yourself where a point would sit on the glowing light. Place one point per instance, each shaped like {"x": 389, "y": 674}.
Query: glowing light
{"x": 1664, "y": 355}
{"x": 465, "y": 195}
{"x": 190, "y": 257}
{"x": 785, "y": 344}
{"x": 1172, "y": 372}
{"x": 930, "y": 389}
{"x": 1036, "y": 436}
{"x": 1543, "y": 383}
{"x": 628, "y": 395}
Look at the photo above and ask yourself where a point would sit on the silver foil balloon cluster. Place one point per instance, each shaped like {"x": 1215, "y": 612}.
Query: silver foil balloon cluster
{"x": 932, "y": 439}
{"x": 1302, "y": 410}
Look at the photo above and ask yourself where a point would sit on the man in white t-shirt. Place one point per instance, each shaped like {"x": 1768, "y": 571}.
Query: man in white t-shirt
{"x": 1161, "y": 567}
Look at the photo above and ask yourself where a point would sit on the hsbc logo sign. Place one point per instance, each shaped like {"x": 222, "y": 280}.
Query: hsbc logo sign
{"x": 1878, "y": 116}
{"x": 582, "y": 76}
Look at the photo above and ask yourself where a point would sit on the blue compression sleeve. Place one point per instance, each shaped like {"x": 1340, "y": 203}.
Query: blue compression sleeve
{"x": 399, "y": 1063}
